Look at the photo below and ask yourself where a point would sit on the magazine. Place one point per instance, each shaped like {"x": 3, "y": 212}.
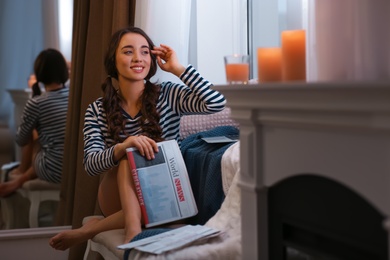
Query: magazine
{"x": 220, "y": 139}
{"x": 162, "y": 185}
{"x": 174, "y": 239}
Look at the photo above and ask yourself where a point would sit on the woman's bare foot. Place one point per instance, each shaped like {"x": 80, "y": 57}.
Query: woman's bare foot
{"x": 15, "y": 173}
{"x": 69, "y": 238}
{"x": 7, "y": 188}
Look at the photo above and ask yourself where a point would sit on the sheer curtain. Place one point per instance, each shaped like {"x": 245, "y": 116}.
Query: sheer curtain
{"x": 65, "y": 27}
{"x": 26, "y": 27}
{"x": 201, "y": 32}
{"x": 172, "y": 29}
{"x": 221, "y": 29}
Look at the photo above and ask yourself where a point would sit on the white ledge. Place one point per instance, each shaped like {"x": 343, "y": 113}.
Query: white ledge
{"x": 30, "y": 233}
{"x": 350, "y": 105}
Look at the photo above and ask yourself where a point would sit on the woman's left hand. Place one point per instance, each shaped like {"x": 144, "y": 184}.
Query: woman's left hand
{"x": 167, "y": 59}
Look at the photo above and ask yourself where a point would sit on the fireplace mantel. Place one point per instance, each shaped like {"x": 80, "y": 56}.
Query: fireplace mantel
{"x": 337, "y": 130}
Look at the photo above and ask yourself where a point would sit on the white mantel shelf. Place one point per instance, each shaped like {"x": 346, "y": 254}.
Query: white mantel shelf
{"x": 338, "y": 130}
{"x": 283, "y": 102}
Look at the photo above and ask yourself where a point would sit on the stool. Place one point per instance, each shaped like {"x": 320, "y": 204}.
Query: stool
{"x": 104, "y": 244}
{"x": 35, "y": 191}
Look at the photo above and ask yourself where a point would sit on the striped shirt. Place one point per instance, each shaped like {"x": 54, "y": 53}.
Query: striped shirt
{"x": 47, "y": 114}
{"x": 175, "y": 100}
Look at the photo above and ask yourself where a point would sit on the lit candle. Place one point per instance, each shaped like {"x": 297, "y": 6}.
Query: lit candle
{"x": 294, "y": 55}
{"x": 269, "y": 64}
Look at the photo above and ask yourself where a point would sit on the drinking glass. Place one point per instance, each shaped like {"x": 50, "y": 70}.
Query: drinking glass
{"x": 237, "y": 68}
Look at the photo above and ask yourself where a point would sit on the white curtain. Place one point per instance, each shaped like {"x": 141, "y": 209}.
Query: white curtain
{"x": 221, "y": 29}
{"x": 21, "y": 40}
{"x": 26, "y": 28}
{"x": 65, "y": 24}
{"x": 201, "y": 31}
{"x": 166, "y": 22}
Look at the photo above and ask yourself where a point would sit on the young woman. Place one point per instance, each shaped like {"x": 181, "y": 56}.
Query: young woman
{"x": 136, "y": 113}
{"x": 41, "y": 133}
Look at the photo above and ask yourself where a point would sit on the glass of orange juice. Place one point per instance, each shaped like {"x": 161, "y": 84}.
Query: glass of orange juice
{"x": 237, "y": 68}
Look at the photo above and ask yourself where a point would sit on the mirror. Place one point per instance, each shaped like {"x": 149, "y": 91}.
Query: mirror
{"x": 205, "y": 32}
{"x": 45, "y": 24}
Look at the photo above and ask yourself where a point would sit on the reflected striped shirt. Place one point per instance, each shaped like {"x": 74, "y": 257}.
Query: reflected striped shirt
{"x": 175, "y": 100}
{"x": 47, "y": 114}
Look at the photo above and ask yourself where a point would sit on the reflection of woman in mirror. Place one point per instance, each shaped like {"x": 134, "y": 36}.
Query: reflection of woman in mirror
{"x": 136, "y": 114}
{"x": 41, "y": 133}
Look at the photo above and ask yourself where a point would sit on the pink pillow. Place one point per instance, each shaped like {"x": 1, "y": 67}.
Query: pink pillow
{"x": 193, "y": 124}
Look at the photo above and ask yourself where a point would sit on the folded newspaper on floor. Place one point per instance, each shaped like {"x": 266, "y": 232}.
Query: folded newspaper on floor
{"x": 162, "y": 185}
{"x": 170, "y": 240}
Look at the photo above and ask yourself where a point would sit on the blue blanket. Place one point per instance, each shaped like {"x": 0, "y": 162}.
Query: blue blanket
{"x": 203, "y": 161}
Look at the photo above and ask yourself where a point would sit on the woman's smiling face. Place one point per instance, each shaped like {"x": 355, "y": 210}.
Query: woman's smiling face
{"x": 133, "y": 57}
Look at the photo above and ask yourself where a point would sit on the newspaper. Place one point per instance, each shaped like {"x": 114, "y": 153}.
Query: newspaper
{"x": 162, "y": 185}
{"x": 220, "y": 139}
{"x": 170, "y": 240}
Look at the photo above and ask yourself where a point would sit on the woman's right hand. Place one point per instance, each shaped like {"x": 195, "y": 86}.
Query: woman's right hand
{"x": 145, "y": 145}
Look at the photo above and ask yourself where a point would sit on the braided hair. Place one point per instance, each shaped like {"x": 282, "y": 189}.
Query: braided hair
{"x": 150, "y": 118}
